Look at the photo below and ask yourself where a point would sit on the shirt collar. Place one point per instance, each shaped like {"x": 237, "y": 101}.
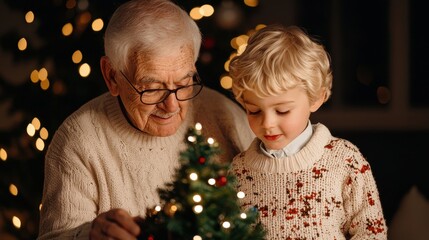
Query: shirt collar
{"x": 293, "y": 147}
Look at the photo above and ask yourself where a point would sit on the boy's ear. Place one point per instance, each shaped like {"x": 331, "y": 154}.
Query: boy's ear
{"x": 109, "y": 75}
{"x": 319, "y": 101}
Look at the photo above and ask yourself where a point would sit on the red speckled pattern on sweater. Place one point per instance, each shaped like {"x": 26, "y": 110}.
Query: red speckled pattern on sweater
{"x": 325, "y": 191}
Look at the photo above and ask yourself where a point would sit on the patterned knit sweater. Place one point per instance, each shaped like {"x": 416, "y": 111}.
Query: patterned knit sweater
{"x": 97, "y": 161}
{"x": 325, "y": 191}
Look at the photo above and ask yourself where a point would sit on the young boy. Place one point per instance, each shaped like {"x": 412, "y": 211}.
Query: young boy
{"x": 305, "y": 183}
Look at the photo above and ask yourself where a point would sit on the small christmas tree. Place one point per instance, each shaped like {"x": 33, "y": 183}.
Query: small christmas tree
{"x": 201, "y": 202}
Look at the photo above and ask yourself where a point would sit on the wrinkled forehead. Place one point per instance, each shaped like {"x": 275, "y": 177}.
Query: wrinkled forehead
{"x": 171, "y": 59}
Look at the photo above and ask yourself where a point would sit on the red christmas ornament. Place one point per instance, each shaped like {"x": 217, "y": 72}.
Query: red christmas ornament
{"x": 201, "y": 160}
{"x": 150, "y": 237}
{"x": 221, "y": 181}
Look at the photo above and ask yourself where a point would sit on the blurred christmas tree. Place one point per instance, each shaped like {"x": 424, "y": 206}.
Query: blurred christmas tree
{"x": 49, "y": 66}
{"x": 201, "y": 202}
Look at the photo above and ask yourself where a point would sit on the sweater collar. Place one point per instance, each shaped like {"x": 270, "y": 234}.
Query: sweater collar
{"x": 303, "y": 159}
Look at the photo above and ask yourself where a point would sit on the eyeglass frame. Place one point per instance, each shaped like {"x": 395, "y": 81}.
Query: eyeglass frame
{"x": 170, "y": 91}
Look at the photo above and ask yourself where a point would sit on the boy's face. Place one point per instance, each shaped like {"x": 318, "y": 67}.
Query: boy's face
{"x": 277, "y": 120}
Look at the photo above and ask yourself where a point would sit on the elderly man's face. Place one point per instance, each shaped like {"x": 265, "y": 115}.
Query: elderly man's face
{"x": 170, "y": 70}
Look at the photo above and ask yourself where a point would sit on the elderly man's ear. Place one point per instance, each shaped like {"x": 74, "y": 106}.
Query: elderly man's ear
{"x": 109, "y": 75}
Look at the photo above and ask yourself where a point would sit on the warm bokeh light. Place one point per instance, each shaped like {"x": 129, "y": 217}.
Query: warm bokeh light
{"x": 193, "y": 176}
{"x": 45, "y": 84}
{"x": 29, "y": 17}
{"x": 211, "y": 181}
{"x": 77, "y": 56}
{"x": 197, "y": 198}
{"x": 70, "y": 4}
{"x": 43, "y": 74}
{"x": 195, "y": 13}
{"x": 226, "y": 82}
{"x": 67, "y": 29}
{"x": 260, "y": 26}
{"x": 210, "y": 140}
{"x": 13, "y": 190}
{"x": 36, "y": 123}
{"x": 192, "y": 138}
{"x": 3, "y": 154}
{"x": 84, "y": 70}
{"x": 97, "y": 24}
{"x": 241, "y": 49}
{"x": 241, "y": 194}
{"x": 226, "y": 65}
{"x": 198, "y": 209}
{"x": 84, "y": 18}
{"x": 251, "y": 3}
{"x": 226, "y": 224}
{"x": 44, "y": 133}
{"x": 243, "y": 215}
{"x": 31, "y": 130}
{"x": 34, "y": 76}
{"x": 206, "y": 10}
{"x": 40, "y": 144}
{"x": 16, "y": 222}
{"x": 242, "y": 39}
{"x": 22, "y": 44}
{"x": 196, "y": 237}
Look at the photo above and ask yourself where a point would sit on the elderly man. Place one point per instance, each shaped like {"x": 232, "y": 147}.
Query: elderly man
{"x": 107, "y": 159}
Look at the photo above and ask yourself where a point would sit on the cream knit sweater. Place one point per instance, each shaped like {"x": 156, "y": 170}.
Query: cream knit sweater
{"x": 325, "y": 191}
{"x": 97, "y": 161}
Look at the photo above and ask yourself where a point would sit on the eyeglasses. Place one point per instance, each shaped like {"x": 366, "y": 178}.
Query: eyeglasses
{"x": 155, "y": 96}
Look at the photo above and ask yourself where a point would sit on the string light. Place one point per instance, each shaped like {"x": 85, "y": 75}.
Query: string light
{"x": 197, "y": 198}
{"x": 226, "y": 224}
{"x": 211, "y": 181}
{"x": 193, "y": 176}
{"x": 241, "y": 194}
{"x": 192, "y": 139}
{"x": 197, "y": 209}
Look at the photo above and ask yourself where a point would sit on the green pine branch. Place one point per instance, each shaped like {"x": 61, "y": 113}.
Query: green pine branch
{"x": 221, "y": 216}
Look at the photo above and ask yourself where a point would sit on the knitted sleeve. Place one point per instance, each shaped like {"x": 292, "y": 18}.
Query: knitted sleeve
{"x": 361, "y": 200}
{"x": 68, "y": 180}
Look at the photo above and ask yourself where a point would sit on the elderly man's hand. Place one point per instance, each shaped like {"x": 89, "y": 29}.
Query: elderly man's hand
{"x": 115, "y": 224}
